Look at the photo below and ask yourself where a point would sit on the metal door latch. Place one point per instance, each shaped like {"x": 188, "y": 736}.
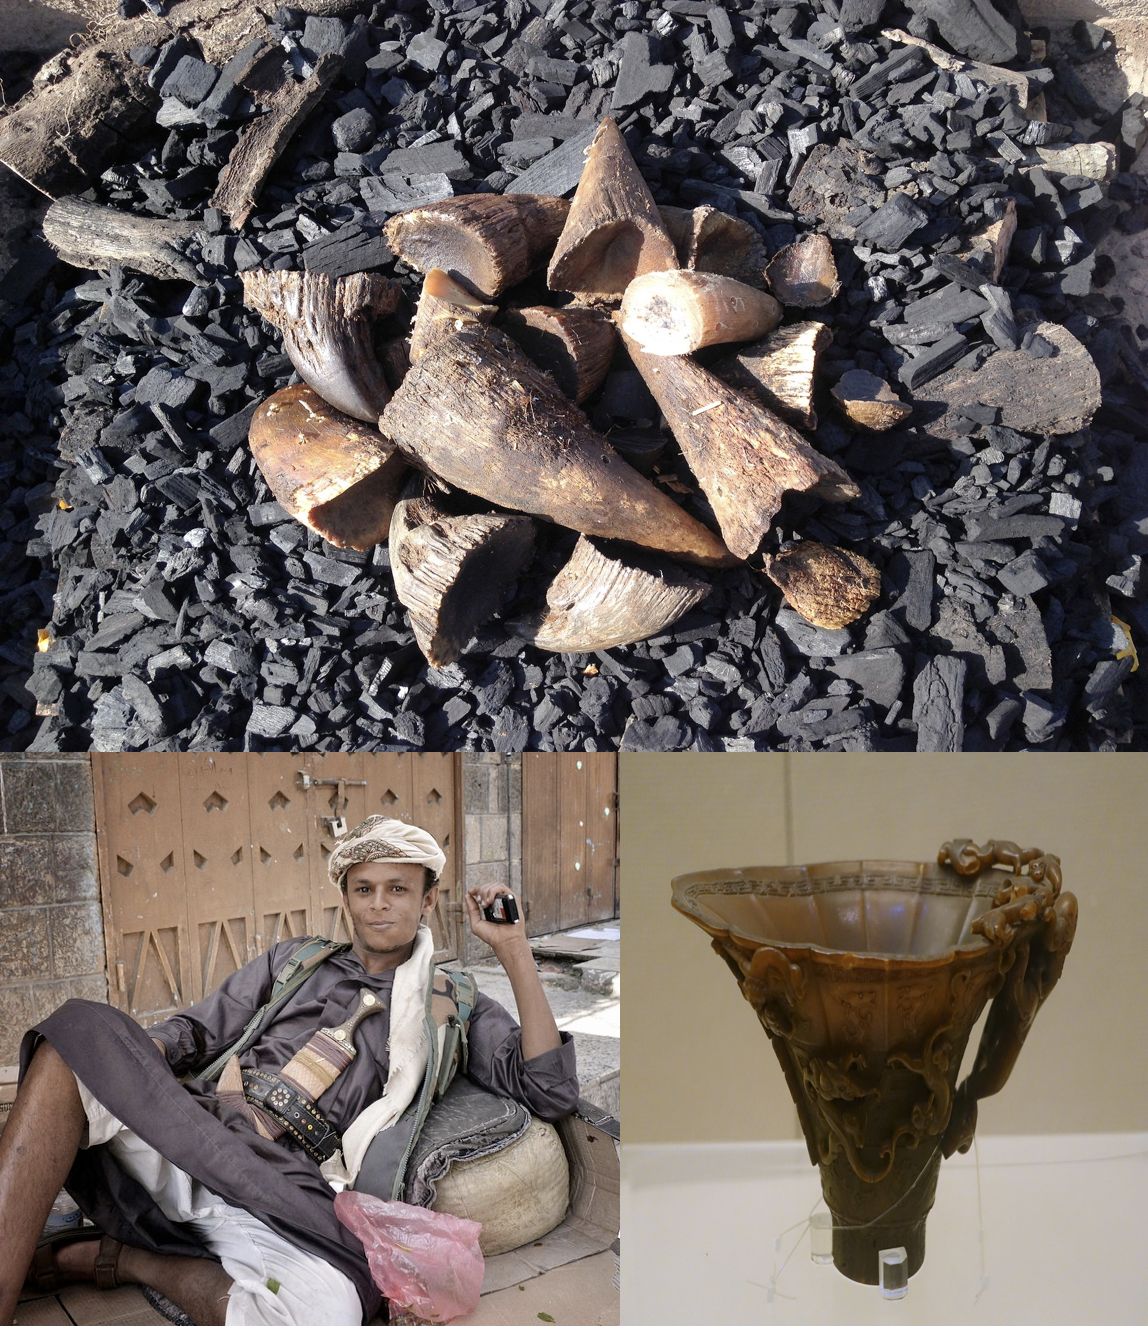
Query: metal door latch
{"x": 336, "y": 825}
{"x": 306, "y": 781}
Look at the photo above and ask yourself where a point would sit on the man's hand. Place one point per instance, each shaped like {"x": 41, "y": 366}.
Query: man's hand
{"x": 504, "y": 939}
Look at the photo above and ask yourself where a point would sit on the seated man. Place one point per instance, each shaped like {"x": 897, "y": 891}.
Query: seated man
{"x": 200, "y": 1193}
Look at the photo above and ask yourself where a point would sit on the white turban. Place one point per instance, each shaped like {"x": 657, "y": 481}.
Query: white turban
{"x": 381, "y": 839}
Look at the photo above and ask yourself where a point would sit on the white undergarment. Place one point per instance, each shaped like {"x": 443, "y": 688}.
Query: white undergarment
{"x": 309, "y": 1290}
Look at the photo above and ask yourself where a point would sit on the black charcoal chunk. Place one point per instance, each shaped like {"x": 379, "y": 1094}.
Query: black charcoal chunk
{"x": 938, "y": 700}
{"x": 950, "y": 305}
{"x": 879, "y": 673}
{"x": 932, "y": 362}
{"x": 559, "y": 171}
{"x": 190, "y": 81}
{"x": 355, "y": 131}
{"x": 891, "y": 225}
{"x": 1025, "y": 574}
{"x": 640, "y": 75}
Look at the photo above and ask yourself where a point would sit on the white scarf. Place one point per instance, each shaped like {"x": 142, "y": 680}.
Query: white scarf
{"x": 409, "y": 1052}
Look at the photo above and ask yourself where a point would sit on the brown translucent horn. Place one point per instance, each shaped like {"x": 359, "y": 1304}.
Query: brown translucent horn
{"x": 744, "y": 457}
{"x": 326, "y": 332}
{"x": 613, "y": 232}
{"x": 475, "y": 411}
{"x": 675, "y": 313}
{"x": 487, "y": 241}
{"x": 599, "y": 600}
{"x": 707, "y": 240}
{"x": 452, "y": 572}
{"x": 574, "y": 345}
{"x": 338, "y": 476}
{"x": 803, "y": 274}
{"x": 868, "y": 401}
{"x": 780, "y": 370}
{"x": 444, "y": 307}
{"x": 828, "y": 586}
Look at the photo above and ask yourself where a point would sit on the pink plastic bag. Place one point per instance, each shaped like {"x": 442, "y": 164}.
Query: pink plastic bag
{"x": 423, "y": 1261}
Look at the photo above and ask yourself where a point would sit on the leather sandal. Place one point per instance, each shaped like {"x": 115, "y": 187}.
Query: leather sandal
{"x": 44, "y": 1276}
{"x": 108, "y": 1263}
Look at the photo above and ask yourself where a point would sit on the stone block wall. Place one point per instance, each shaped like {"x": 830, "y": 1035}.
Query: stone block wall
{"x": 492, "y": 806}
{"x": 51, "y": 923}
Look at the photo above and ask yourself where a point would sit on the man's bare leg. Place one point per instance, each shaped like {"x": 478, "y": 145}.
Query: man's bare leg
{"x": 198, "y": 1286}
{"x": 37, "y": 1148}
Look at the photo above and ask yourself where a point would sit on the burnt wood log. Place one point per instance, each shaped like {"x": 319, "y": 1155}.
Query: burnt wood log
{"x": 1056, "y": 394}
{"x": 444, "y": 307}
{"x": 264, "y": 139}
{"x": 830, "y": 587}
{"x": 707, "y": 240}
{"x": 452, "y": 573}
{"x": 84, "y": 106}
{"x": 744, "y": 457}
{"x": 675, "y": 313}
{"x": 476, "y": 412}
{"x": 780, "y": 370}
{"x": 613, "y": 232}
{"x": 88, "y": 235}
{"x": 326, "y": 333}
{"x": 574, "y": 345}
{"x": 338, "y": 476}
{"x": 486, "y": 241}
{"x": 803, "y": 274}
{"x": 599, "y": 600}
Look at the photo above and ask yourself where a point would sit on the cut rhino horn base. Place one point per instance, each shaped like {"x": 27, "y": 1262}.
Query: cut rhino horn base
{"x": 487, "y": 241}
{"x": 324, "y": 324}
{"x": 744, "y": 457}
{"x": 613, "y": 232}
{"x": 444, "y": 307}
{"x": 599, "y": 600}
{"x": 574, "y": 345}
{"x": 452, "y": 572}
{"x": 828, "y": 586}
{"x": 803, "y": 274}
{"x": 707, "y": 240}
{"x": 336, "y": 475}
{"x": 475, "y": 411}
{"x": 869, "y": 401}
{"x": 675, "y": 313}
{"x": 780, "y": 370}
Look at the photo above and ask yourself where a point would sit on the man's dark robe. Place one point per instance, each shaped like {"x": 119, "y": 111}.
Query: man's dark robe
{"x": 187, "y": 1123}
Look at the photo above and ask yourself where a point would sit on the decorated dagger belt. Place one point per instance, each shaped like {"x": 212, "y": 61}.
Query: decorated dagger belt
{"x": 284, "y": 1102}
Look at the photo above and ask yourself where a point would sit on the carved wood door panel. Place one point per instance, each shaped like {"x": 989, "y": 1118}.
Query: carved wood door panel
{"x": 208, "y": 860}
{"x": 569, "y": 840}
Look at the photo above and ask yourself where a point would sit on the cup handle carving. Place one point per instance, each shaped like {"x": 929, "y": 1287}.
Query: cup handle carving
{"x": 1033, "y": 925}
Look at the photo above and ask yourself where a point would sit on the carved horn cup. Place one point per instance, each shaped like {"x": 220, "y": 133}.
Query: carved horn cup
{"x": 868, "y": 977}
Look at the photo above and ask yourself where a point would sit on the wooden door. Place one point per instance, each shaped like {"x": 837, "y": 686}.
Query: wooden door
{"x": 569, "y": 840}
{"x": 207, "y": 860}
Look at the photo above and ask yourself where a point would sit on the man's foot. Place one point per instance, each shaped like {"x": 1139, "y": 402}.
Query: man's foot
{"x": 74, "y": 1259}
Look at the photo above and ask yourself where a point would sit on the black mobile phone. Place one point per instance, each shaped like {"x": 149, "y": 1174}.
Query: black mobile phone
{"x": 503, "y": 910}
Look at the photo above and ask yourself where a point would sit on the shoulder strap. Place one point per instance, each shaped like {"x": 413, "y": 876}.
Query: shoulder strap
{"x": 288, "y": 979}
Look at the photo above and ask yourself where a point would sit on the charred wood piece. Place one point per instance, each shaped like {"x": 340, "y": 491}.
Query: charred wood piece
{"x": 707, "y": 240}
{"x": 326, "y": 333}
{"x": 869, "y": 402}
{"x": 339, "y": 477}
{"x": 88, "y": 235}
{"x": 613, "y": 232}
{"x": 452, "y": 573}
{"x": 574, "y": 345}
{"x": 444, "y": 308}
{"x": 829, "y": 587}
{"x": 262, "y": 141}
{"x": 476, "y": 412}
{"x": 803, "y": 274}
{"x": 599, "y": 600}
{"x": 486, "y": 241}
{"x": 744, "y": 457}
{"x": 780, "y": 371}
{"x": 675, "y": 313}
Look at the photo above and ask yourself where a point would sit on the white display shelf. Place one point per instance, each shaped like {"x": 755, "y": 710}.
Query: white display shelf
{"x": 1065, "y": 1222}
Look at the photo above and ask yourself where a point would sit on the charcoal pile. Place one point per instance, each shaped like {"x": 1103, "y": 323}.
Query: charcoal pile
{"x": 928, "y": 184}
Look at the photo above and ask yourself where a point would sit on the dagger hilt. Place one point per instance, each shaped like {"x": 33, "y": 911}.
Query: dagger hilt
{"x": 344, "y": 1034}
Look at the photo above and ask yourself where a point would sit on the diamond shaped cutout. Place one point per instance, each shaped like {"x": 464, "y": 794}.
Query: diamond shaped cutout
{"x": 388, "y": 798}
{"x": 279, "y": 802}
{"x": 142, "y": 802}
{"x": 124, "y": 867}
{"x": 168, "y": 863}
{"x": 215, "y": 802}
{"x": 200, "y": 861}
{"x": 237, "y": 856}
{"x": 434, "y": 797}
{"x": 298, "y": 853}
{"x": 265, "y": 856}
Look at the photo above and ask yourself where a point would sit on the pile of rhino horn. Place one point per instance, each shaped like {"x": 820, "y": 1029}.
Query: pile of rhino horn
{"x": 482, "y": 403}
